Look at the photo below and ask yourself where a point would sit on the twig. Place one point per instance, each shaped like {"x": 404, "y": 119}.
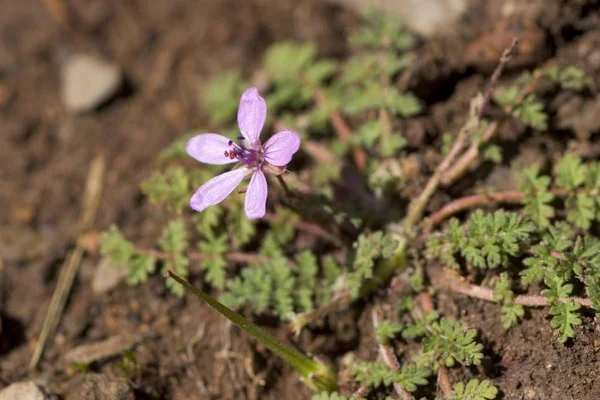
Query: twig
{"x": 417, "y": 206}
{"x": 504, "y": 59}
{"x": 59, "y": 10}
{"x": 464, "y": 203}
{"x": 237, "y": 257}
{"x": 444, "y": 280}
{"x": 477, "y": 200}
{"x": 444, "y": 382}
{"x": 469, "y": 157}
{"x": 91, "y": 199}
{"x": 310, "y": 228}
{"x": 361, "y": 392}
{"x": 478, "y": 106}
{"x": 389, "y": 358}
{"x": 461, "y": 165}
{"x": 284, "y": 185}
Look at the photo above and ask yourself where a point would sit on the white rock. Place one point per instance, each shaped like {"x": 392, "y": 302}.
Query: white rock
{"x": 426, "y": 17}
{"x": 23, "y": 391}
{"x": 87, "y": 82}
{"x": 107, "y": 276}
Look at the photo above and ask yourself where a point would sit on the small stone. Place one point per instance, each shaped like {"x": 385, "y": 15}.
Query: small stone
{"x": 23, "y": 391}
{"x": 426, "y": 17}
{"x": 107, "y": 276}
{"x": 101, "y": 387}
{"x": 87, "y": 82}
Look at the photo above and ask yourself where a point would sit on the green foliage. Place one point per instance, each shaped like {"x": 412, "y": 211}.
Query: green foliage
{"x": 511, "y": 312}
{"x": 474, "y": 390}
{"x": 382, "y": 30}
{"x": 177, "y": 148}
{"x": 569, "y": 77}
{"x": 278, "y": 286}
{"x": 171, "y": 187}
{"x": 377, "y": 374}
{"x": 452, "y": 341}
{"x": 114, "y": 245}
{"x": 295, "y": 71}
{"x": 537, "y": 197}
{"x": 374, "y": 96}
{"x": 368, "y": 248}
{"x": 520, "y": 100}
{"x": 531, "y": 112}
{"x": 222, "y": 96}
{"x": 387, "y": 330}
{"x": 485, "y": 241}
{"x": 563, "y": 313}
{"x": 173, "y": 241}
{"x": 214, "y": 248}
{"x": 122, "y": 253}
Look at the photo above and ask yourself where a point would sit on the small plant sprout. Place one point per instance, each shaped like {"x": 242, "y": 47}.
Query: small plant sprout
{"x": 254, "y": 158}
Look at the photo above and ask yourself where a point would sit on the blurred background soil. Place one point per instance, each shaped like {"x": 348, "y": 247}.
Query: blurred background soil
{"x": 154, "y": 59}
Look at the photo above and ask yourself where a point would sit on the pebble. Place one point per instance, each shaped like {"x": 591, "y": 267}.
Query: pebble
{"x": 101, "y": 387}
{"x": 23, "y": 391}
{"x": 426, "y": 17}
{"x": 107, "y": 277}
{"x": 87, "y": 82}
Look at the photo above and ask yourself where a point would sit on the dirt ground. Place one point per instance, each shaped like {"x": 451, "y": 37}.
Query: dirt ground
{"x": 168, "y": 51}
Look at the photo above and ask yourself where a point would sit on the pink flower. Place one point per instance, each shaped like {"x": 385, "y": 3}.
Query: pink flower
{"x": 252, "y": 157}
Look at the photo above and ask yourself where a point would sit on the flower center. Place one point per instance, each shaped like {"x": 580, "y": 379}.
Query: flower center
{"x": 252, "y": 157}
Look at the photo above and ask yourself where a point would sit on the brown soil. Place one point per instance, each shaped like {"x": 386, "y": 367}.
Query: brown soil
{"x": 168, "y": 52}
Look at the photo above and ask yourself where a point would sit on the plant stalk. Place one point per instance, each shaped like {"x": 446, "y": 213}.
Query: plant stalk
{"x": 317, "y": 375}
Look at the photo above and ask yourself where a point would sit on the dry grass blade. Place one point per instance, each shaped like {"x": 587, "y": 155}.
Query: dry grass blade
{"x": 69, "y": 269}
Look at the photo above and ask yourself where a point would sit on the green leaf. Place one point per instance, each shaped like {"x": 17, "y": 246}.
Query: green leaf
{"x": 564, "y": 319}
{"x": 474, "y": 390}
{"x": 410, "y": 376}
{"x": 503, "y": 290}
{"x": 570, "y": 172}
{"x": 581, "y": 209}
{"x": 493, "y": 153}
{"x": 452, "y": 341}
{"x": 285, "y": 60}
{"x": 171, "y": 187}
{"x": 511, "y": 314}
{"x": 174, "y": 241}
{"x": 537, "y": 197}
{"x": 139, "y": 268}
{"x": 507, "y": 97}
{"x": 372, "y": 374}
{"x": 401, "y": 104}
{"x": 222, "y": 96}
{"x": 321, "y": 70}
{"x": 387, "y": 330}
{"x": 115, "y": 246}
{"x": 214, "y": 249}
{"x": 177, "y": 148}
{"x": 318, "y": 375}
{"x": 369, "y": 247}
{"x": 531, "y": 113}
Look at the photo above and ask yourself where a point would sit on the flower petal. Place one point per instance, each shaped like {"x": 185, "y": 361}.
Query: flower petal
{"x": 209, "y": 148}
{"x": 256, "y": 196}
{"x": 280, "y": 148}
{"x": 251, "y": 115}
{"x": 217, "y": 189}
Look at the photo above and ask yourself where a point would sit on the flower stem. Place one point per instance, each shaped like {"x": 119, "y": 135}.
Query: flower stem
{"x": 317, "y": 375}
{"x": 284, "y": 185}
